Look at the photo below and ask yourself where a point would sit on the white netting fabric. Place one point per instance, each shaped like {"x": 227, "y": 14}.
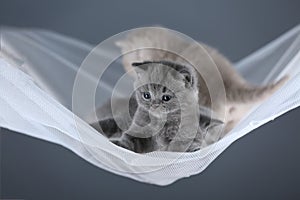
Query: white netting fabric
{"x": 37, "y": 73}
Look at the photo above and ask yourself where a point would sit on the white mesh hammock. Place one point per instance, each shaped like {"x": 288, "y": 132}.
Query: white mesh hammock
{"x": 37, "y": 71}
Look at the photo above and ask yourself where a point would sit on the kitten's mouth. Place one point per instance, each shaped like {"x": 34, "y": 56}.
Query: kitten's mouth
{"x": 157, "y": 112}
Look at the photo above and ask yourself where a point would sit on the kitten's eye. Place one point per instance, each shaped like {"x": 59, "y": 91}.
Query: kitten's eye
{"x": 166, "y": 97}
{"x": 146, "y": 95}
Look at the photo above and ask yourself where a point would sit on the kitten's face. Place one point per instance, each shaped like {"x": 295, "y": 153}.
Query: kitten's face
{"x": 162, "y": 86}
{"x": 157, "y": 99}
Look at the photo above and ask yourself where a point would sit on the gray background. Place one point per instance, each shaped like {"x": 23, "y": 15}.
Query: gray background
{"x": 262, "y": 165}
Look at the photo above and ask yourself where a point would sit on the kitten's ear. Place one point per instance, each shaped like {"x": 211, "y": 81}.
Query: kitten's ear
{"x": 207, "y": 119}
{"x": 140, "y": 67}
{"x": 189, "y": 75}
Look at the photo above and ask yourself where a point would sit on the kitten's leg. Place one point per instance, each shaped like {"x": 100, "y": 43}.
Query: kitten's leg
{"x": 242, "y": 98}
{"x": 138, "y": 145}
{"x": 125, "y": 141}
{"x": 196, "y": 144}
{"x": 252, "y": 94}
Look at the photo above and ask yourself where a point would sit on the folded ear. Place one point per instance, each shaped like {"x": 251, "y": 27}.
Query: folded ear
{"x": 189, "y": 79}
{"x": 140, "y": 67}
{"x": 187, "y": 73}
{"x": 207, "y": 119}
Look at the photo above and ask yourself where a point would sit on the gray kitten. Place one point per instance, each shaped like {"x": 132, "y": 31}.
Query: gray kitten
{"x": 166, "y": 114}
{"x": 145, "y": 45}
{"x": 167, "y": 117}
{"x": 240, "y": 96}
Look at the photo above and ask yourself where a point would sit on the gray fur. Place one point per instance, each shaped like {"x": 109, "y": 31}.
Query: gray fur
{"x": 197, "y": 127}
{"x": 148, "y": 44}
{"x": 175, "y": 125}
{"x": 165, "y": 125}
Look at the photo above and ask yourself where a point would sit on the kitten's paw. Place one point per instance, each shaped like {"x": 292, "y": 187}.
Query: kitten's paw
{"x": 115, "y": 141}
{"x": 193, "y": 148}
{"x": 123, "y": 143}
{"x": 171, "y": 132}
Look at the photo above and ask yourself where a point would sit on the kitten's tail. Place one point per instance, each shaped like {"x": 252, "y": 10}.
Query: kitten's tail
{"x": 256, "y": 93}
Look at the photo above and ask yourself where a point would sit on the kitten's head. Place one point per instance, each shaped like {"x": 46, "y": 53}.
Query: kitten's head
{"x": 162, "y": 86}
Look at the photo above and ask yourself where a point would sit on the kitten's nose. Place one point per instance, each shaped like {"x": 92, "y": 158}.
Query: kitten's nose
{"x": 155, "y": 105}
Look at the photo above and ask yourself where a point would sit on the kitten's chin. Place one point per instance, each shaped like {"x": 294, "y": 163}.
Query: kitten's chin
{"x": 157, "y": 113}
